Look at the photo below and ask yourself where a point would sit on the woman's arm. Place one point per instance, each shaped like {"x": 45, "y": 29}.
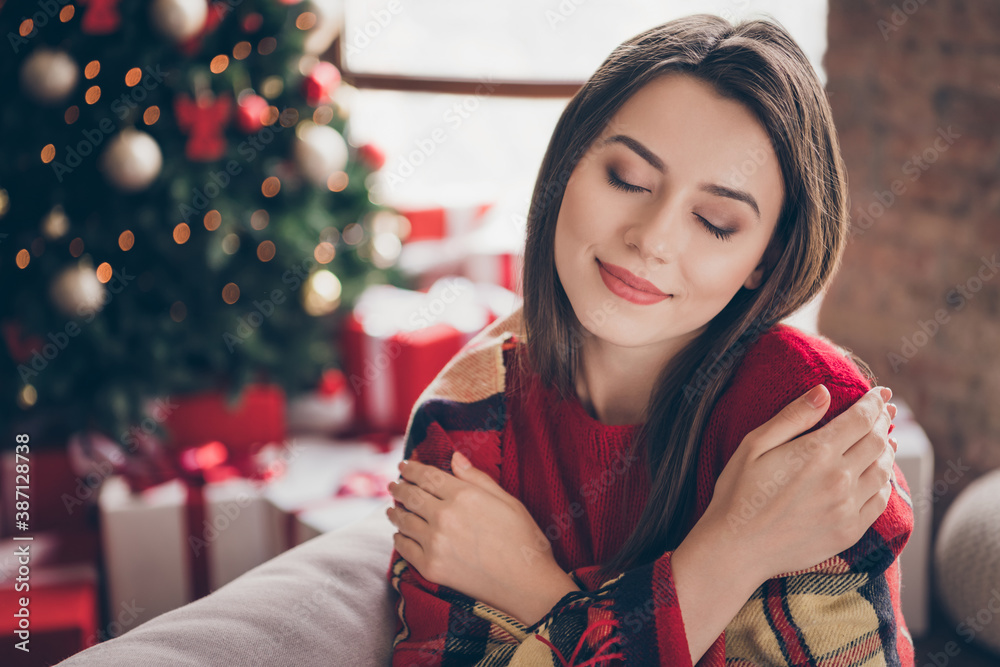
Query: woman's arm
{"x": 681, "y": 610}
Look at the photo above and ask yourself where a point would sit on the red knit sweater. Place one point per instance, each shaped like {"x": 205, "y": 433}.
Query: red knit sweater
{"x": 572, "y": 474}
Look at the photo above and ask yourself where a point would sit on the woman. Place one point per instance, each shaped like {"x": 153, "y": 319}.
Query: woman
{"x": 692, "y": 195}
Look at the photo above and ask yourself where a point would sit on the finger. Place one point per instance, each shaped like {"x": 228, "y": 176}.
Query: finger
{"x": 409, "y": 524}
{"x": 874, "y": 506}
{"x": 877, "y": 474}
{"x": 480, "y": 478}
{"x": 795, "y": 418}
{"x": 851, "y": 425}
{"x": 408, "y": 548}
{"x": 870, "y": 446}
{"x": 415, "y": 498}
{"x": 431, "y": 479}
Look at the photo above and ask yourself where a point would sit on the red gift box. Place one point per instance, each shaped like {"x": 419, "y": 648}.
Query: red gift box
{"x": 396, "y": 341}
{"x": 258, "y": 418}
{"x": 443, "y": 222}
{"x": 61, "y": 617}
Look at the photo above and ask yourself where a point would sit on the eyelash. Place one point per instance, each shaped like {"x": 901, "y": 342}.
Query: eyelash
{"x": 616, "y": 182}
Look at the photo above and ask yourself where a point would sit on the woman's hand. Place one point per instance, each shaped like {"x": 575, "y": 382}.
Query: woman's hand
{"x": 787, "y": 502}
{"x": 465, "y": 532}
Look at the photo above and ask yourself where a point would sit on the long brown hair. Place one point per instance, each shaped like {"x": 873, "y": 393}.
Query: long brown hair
{"x": 758, "y": 64}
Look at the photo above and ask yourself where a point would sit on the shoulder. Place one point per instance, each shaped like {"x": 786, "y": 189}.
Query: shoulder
{"x": 782, "y": 364}
{"x": 468, "y": 394}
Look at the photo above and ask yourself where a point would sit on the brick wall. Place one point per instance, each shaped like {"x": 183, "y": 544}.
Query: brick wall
{"x": 915, "y": 91}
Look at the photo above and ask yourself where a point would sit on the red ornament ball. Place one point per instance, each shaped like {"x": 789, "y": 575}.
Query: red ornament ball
{"x": 248, "y": 113}
{"x": 372, "y": 156}
{"x": 320, "y": 83}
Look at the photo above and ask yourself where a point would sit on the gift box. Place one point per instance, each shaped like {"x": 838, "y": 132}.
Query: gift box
{"x": 443, "y": 222}
{"x": 328, "y": 484}
{"x": 396, "y": 341}
{"x": 327, "y": 410}
{"x": 257, "y": 418}
{"x": 177, "y": 541}
{"x": 60, "y": 616}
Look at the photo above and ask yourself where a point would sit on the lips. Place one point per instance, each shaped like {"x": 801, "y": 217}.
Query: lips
{"x": 630, "y": 279}
{"x": 625, "y": 290}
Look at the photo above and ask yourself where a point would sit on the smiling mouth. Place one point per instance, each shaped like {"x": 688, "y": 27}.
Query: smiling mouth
{"x": 627, "y": 291}
{"x": 621, "y": 274}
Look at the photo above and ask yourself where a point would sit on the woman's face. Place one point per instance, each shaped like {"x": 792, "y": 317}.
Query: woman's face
{"x": 693, "y": 199}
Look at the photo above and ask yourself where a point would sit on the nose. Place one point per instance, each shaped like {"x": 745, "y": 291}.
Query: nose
{"x": 657, "y": 237}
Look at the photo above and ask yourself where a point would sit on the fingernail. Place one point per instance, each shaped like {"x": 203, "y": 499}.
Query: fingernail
{"x": 892, "y": 410}
{"x": 895, "y": 445}
{"x": 815, "y": 396}
{"x": 886, "y": 393}
{"x": 460, "y": 461}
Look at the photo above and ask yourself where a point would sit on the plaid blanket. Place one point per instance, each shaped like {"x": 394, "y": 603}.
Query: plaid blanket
{"x": 843, "y": 611}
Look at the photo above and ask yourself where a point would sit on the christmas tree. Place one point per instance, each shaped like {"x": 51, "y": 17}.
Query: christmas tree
{"x": 179, "y": 210}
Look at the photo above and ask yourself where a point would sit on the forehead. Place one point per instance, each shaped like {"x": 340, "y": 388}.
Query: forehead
{"x": 690, "y": 126}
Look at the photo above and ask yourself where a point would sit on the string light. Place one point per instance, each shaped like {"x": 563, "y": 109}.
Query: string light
{"x": 212, "y": 220}
{"x": 324, "y": 252}
{"x": 241, "y": 50}
{"x": 104, "y": 272}
{"x": 182, "y": 233}
{"x": 231, "y": 293}
{"x": 259, "y": 219}
{"x": 271, "y": 186}
{"x": 133, "y": 76}
{"x": 265, "y": 251}
{"x": 178, "y": 311}
{"x": 126, "y": 240}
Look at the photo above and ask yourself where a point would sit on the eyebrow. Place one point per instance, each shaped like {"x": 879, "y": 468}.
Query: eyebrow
{"x": 711, "y": 188}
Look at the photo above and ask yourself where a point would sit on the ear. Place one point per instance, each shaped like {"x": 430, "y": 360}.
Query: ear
{"x": 755, "y": 279}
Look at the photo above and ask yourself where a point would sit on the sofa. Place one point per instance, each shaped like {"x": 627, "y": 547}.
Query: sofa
{"x": 325, "y": 602}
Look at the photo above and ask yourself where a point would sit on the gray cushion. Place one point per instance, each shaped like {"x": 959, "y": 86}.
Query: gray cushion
{"x": 324, "y": 602}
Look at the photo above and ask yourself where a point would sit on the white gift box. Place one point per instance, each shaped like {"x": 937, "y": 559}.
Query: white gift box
{"x": 304, "y": 498}
{"x": 149, "y": 546}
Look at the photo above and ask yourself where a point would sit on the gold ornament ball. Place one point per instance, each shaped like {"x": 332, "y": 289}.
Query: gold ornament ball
{"x": 132, "y": 160}
{"x": 178, "y": 20}
{"x": 320, "y": 151}
{"x": 49, "y": 76}
{"x": 321, "y": 293}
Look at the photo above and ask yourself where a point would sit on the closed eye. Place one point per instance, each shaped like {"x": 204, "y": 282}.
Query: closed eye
{"x": 616, "y": 182}
{"x": 724, "y": 234}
